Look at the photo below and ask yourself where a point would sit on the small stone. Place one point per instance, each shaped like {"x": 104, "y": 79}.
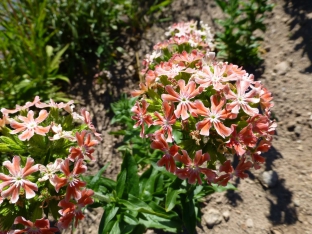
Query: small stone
{"x": 269, "y": 179}
{"x": 300, "y": 147}
{"x": 212, "y": 217}
{"x": 297, "y": 130}
{"x": 249, "y": 223}
{"x": 226, "y": 215}
{"x": 282, "y": 68}
{"x": 130, "y": 67}
{"x": 296, "y": 202}
{"x": 275, "y": 232}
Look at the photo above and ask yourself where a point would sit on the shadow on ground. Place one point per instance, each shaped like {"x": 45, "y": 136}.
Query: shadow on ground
{"x": 301, "y": 26}
{"x": 281, "y": 211}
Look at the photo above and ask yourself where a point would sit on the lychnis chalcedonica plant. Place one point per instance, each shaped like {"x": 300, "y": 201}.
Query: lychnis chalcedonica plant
{"x": 205, "y": 111}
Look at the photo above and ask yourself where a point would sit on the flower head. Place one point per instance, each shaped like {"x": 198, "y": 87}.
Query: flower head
{"x": 17, "y": 179}
{"x": 30, "y": 126}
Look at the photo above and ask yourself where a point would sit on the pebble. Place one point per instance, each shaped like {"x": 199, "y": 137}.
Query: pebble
{"x": 249, "y": 223}
{"x": 298, "y": 129}
{"x": 297, "y": 202}
{"x": 269, "y": 179}
{"x": 282, "y": 68}
{"x": 212, "y": 217}
{"x": 226, "y": 215}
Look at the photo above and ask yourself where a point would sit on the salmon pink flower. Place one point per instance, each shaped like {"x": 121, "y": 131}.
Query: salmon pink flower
{"x": 71, "y": 211}
{"x": 30, "y": 125}
{"x": 240, "y": 141}
{"x": 17, "y": 179}
{"x": 192, "y": 168}
{"x": 242, "y": 167}
{"x": 169, "y": 69}
{"x": 71, "y": 179}
{"x": 167, "y": 121}
{"x": 84, "y": 148}
{"x": 167, "y": 159}
{"x": 187, "y": 92}
{"x": 19, "y": 108}
{"x": 141, "y": 117}
{"x": 40, "y": 226}
{"x": 50, "y": 171}
{"x": 87, "y": 120}
{"x": 187, "y": 58}
{"x": 242, "y": 98}
{"x": 213, "y": 117}
{"x": 206, "y": 77}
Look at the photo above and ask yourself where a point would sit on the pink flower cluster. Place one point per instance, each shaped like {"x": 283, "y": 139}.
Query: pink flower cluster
{"x": 56, "y": 175}
{"x": 205, "y": 110}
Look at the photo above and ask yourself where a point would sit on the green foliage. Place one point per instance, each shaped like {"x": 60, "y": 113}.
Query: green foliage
{"x": 92, "y": 27}
{"x": 238, "y": 42}
{"x": 132, "y": 142}
{"x": 148, "y": 196}
{"x": 155, "y": 199}
{"x": 37, "y": 35}
{"x": 28, "y": 64}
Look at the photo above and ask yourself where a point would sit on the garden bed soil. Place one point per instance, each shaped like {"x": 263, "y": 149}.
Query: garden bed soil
{"x": 275, "y": 199}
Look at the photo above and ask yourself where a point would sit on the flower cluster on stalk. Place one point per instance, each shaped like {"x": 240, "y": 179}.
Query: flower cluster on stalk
{"x": 206, "y": 110}
{"x": 44, "y": 149}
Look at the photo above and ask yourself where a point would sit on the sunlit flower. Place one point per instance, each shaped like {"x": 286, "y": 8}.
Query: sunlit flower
{"x": 167, "y": 159}
{"x": 71, "y": 179}
{"x": 60, "y": 133}
{"x": 40, "y": 226}
{"x": 73, "y": 211}
{"x": 84, "y": 148}
{"x": 192, "y": 169}
{"x": 206, "y": 77}
{"x": 30, "y": 126}
{"x": 19, "y": 108}
{"x": 50, "y": 171}
{"x": 166, "y": 121}
{"x": 187, "y": 92}
{"x": 141, "y": 117}
{"x": 17, "y": 179}
{"x": 213, "y": 117}
{"x": 242, "y": 98}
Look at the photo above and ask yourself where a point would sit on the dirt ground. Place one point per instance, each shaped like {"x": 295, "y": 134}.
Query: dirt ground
{"x": 275, "y": 199}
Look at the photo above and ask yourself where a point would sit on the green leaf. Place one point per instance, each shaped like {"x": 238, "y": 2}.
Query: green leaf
{"x": 171, "y": 198}
{"x": 109, "y": 213}
{"x": 57, "y": 58}
{"x": 132, "y": 178}
{"x": 219, "y": 188}
{"x": 128, "y": 218}
{"x": 96, "y": 178}
{"x": 121, "y": 183}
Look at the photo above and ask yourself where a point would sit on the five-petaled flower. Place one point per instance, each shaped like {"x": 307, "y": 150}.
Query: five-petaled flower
{"x": 17, "y": 179}
{"x": 242, "y": 98}
{"x": 40, "y": 226}
{"x": 168, "y": 158}
{"x": 30, "y": 125}
{"x": 166, "y": 121}
{"x": 213, "y": 116}
{"x": 141, "y": 117}
{"x": 71, "y": 179}
{"x": 192, "y": 168}
{"x": 84, "y": 148}
{"x": 187, "y": 92}
{"x": 71, "y": 211}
